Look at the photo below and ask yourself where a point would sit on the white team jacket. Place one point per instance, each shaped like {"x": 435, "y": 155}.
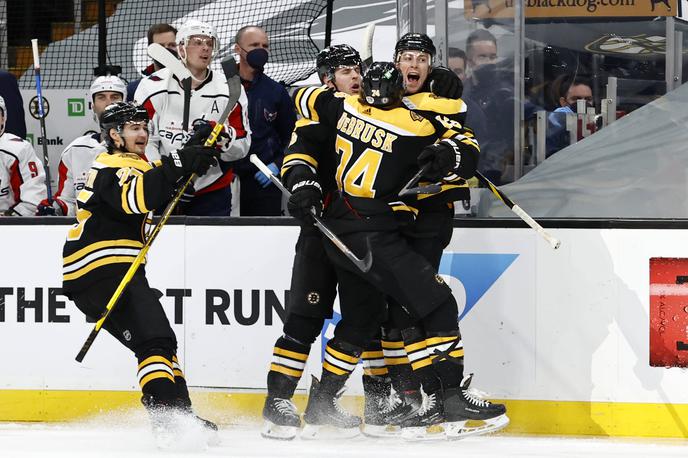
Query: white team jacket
{"x": 22, "y": 177}
{"x": 75, "y": 163}
{"x": 162, "y": 95}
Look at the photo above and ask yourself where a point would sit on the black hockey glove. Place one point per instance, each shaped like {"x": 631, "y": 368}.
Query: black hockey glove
{"x": 201, "y": 132}
{"x": 445, "y": 83}
{"x": 441, "y": 158}
{"x": 185, "y": 200}
{"x": 306, "y": 194}
{"x": 190, "y": 159}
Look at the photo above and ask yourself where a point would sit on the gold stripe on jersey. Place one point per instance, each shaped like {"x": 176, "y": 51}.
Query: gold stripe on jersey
{"x": 428, "y": 101}
{"x": 99, "y": 245}
{"x": 294, "y": 159}
{"x": 305, "y": 101}
{"x": 398, "y": 121}
{"x": 99, "y": 263}
{"x": 121, "y": 160}
{"x": 402, "y": 207}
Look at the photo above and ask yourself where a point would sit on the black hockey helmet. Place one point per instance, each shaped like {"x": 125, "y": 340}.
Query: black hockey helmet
{"x": 414, "y": 42}
{"x": 335, "y": 56}
{"x": 382, "y": 85}
{"x": 116, "y": 115}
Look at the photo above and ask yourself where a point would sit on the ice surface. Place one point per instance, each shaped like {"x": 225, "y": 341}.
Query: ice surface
{"x": 128, "y": 435}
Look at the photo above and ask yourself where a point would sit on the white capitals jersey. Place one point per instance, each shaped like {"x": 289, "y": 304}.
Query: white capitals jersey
{"x": 162, "y": 95}
{"x": 22, "y": 177}
{"x": 75, "y": 163}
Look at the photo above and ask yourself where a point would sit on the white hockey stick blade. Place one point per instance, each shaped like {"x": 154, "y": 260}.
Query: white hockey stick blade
{"x": 367, "y": 52}
{"x": 158, "y": 52}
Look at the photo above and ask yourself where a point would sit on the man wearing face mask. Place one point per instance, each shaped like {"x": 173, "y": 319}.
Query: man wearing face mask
{"x": 272, "y": 118}
{"x": 571, "y": 89}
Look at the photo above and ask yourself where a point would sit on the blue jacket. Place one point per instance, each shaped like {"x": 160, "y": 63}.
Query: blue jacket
{"x": 272, "y": 117}
{"x": 9, "y": 90}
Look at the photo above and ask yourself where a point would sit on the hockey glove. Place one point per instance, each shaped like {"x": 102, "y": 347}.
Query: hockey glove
{"x": 445, "y": 83}
{"x": 185, "y": 200}
{"x": 202, "y": 130}
{"x": 306, "y": 197}
{"x": 263, "y": 179}
{"x": 57, "y": 208}
{"x": 441, "y": 159}
{"x": 190, "y": 159}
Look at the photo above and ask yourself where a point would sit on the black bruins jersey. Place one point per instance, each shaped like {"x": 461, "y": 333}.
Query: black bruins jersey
{"x": 112, "y": 215}
{"x": 376, "y": 149}
{"x": 452, "y": 114}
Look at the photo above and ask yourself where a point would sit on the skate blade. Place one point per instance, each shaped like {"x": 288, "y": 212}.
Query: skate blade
{"x": 278, "y": 432}
{"x": 381, "y": 430}
{"x": 423, "y": 433}
{"x": 460, "y": 429}
{"x": 317, "y": 432}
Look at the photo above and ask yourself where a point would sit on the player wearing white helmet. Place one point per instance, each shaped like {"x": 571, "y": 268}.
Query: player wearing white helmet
{"x": 163, "y": 96}
{"x": 77, "y": 157}
{"x": 22, "y": 178}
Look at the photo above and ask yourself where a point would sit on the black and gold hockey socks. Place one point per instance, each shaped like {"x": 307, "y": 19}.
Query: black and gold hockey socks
{"x": 397, "y": 362}
{"x": 156, "y": 377}
{"x": 339, "y": 362}
{"x": 180, "y": 383}
{"x": 446, "y": 353}
{"x": 287, "y": 365}
{"x": 374, "y": 360}
{"x": 419, "y": 357}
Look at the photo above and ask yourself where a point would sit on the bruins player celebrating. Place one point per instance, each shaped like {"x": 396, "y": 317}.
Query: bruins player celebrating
{"x": 377, "y": 144}
{"x": 120, "y": 192}
{"x": 314, "y": 283}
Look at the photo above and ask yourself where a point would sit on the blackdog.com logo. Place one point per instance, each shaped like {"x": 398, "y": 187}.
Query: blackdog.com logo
{"x": 589, "y": 5}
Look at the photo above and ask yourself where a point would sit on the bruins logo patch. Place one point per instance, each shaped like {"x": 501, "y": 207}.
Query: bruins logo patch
{"x": 439, "y": 279}
{"x": 313, "y": 298}
{"x": 415, "y": 116}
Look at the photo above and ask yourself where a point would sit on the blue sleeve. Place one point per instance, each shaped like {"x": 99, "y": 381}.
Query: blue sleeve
{"x": 287, "y": 115}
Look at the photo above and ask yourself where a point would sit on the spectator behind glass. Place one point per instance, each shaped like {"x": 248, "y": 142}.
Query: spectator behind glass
{"x": 457, "y": 62}
{"x": 271, "y": 116}
{"x": 9, "y": 91}
{"x": 165, "y": 35}
{"x": 570, "y": 89}
{"x": 489, "y": 95}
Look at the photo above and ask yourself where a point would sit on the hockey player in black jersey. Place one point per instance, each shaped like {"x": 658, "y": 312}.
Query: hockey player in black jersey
{"x": 113, "y": 210}
{"x": 314, "y": 283}
{"x": 378, "y": 143}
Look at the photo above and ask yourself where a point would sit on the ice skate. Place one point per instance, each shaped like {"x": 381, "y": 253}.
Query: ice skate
{"x": 325, "y": 418}
{"x": 424, "y": 422}
{"x": 469, "y": 415}
{"x": 282, "y": 422}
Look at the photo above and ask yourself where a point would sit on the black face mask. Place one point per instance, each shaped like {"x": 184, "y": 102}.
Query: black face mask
{"x": 257, "y": 58}
{"x": 574, "y": 106}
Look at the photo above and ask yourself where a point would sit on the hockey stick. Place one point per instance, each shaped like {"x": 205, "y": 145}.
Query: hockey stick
{"x": 553, "y": 242}
{"x": 41, "y": 113}
{"x": 163, "y": 56}
{"x": 408, "y": 190}
{"x": 362, "y": 264}
{"x": 367, "y": 52}
{"x": 231, "y": 72}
